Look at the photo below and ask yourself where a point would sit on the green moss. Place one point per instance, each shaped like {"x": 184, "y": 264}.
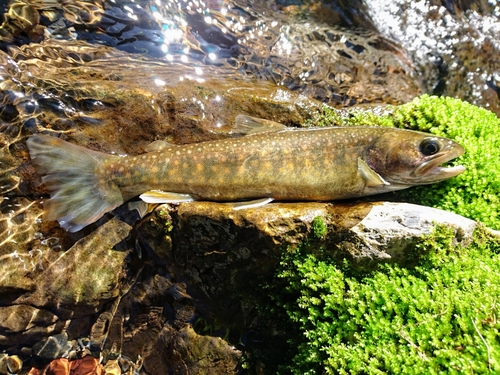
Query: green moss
{"x": 475, "y": 193}
{"x": 439, "y": 317}
{"x": 318, "y": 227}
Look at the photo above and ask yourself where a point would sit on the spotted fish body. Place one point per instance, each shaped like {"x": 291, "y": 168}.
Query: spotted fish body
{"x": 291, "y": 165}
{"x": 299, "y": 165}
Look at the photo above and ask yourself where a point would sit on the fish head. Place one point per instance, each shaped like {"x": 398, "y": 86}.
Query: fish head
{"x": 410, "y": 158}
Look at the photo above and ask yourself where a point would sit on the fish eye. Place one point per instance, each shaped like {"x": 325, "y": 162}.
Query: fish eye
{"x": 429, "y": 147}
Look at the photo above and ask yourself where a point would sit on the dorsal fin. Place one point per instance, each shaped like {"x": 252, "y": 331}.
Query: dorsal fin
{"x": 158, "y": 146}
{"x": 247, "y": 125}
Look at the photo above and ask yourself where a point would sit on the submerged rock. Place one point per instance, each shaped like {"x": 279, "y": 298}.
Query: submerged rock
{"x": 184, "y": 351}
{"x": 87, "y": 365}
{"x": 23, "y": 324}
{"x": 88, "y": 272}
{"x": 52, "y": 347}
{"x": 67, "y": 290}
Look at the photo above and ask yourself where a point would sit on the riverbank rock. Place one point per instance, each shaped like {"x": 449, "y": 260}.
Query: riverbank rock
{"x": 223, "y": 249}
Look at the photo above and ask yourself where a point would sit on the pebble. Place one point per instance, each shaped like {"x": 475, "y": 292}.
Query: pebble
{"x": 10, "y": 364}
{"x": 14, "y": 364}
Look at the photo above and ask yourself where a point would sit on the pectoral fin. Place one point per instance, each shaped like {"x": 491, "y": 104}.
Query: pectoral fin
{"x": 370, "y": 177}
{"x": 142, "y": 207}
{"x": 251, "y": 204}
{"x": 247, "y": 125}
{"x": 158, "y": 196}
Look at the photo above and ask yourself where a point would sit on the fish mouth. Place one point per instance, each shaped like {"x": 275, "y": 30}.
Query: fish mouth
{"x": 433, "y": 170}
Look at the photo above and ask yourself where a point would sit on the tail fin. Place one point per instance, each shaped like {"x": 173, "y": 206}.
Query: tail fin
{"x": 79, "y": 196}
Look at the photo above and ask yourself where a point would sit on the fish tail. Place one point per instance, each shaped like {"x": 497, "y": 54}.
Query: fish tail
{"x": 78, "y": 194}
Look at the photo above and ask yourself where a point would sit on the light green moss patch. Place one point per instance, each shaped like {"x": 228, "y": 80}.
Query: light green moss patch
{"x": 439, "y": 318}
{"x": 318, "y": 227}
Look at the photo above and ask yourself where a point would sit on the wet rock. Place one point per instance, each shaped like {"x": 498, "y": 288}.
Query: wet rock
{"x": 74, "y": 284}
{"x": 185, "y": 352}
{"x": 220, "y": 246}
{"x": 14, "y": 364}
{"x": 99, "y": 330}
{"x": 57, "y": 367}
{"x": 154, "y": 306}
{"x": 218, "y": 259}
{"x": 86, "y": 366}
{"x": 22, "y": 324}
{"x": 52, "y": 347}
{"x": 3, "y": 363}
{"x": 112, "y": 368}
{"x": 225, "y": 251}
{"x": 391, "y": 229}
{"x": 18, "y": 318}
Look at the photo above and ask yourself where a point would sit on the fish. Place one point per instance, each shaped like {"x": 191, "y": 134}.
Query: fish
{"x": 269, "y": 162}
